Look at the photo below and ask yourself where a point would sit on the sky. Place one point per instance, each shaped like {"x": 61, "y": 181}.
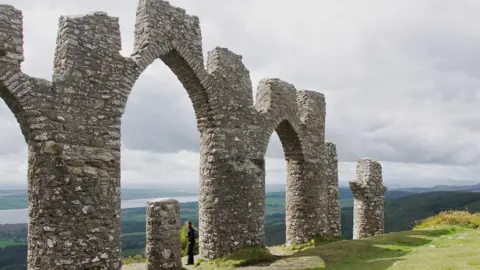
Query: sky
{"x": 400, "y": 79}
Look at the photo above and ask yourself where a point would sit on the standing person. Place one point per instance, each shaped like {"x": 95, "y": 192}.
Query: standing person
{"x": 191, "y": 242}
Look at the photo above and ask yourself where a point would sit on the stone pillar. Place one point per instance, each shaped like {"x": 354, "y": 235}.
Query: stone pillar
{"x": 304, "y": 209}
{"x": 368, "y": 193}
{"x": 333, "y": 196}
{"x": 164, "y": 249}
{"x": 231, "y": 204}
{"x": 72, "y": 127}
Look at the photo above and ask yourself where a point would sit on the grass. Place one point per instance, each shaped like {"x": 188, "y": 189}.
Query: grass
{"x": 449, "y": 240}
{"x": 319, "y": 240}
{"x": 242, "y": 257}
{"x": 380, "y": 252}
{"x": 462, "y": 219}
{"x": 133, "y": 260}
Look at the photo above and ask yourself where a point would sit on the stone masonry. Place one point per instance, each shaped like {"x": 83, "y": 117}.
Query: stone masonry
{"x": 368, "y": 193}
{"x": 333, "y": 197}
{"x": 72, "y": 127}
{"x": 163, "y": 249}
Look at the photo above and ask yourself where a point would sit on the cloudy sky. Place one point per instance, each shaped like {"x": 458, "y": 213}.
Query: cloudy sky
{"x": 400, "y": 78}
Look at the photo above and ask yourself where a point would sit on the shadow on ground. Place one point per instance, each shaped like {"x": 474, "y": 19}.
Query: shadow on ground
{"x": 380, "y": 252}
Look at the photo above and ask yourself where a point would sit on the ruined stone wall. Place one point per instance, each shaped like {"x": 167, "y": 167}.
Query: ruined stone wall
{"x": 163, "y": 246}
{"x": 333, "y": 198}
{"x": 368, "y": 193}
{"x": 72, "y": 127}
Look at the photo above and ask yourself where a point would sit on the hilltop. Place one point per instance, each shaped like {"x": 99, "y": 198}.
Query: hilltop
{"x": 449, "y": 240}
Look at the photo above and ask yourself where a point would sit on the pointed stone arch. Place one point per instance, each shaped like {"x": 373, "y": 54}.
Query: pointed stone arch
{"x": 75, "y": 125}
{"x": 290, "y": 139}
{"x": 290, "y": 112}
{"x": 156, "y": 37}
{"x": 193, "y": 78}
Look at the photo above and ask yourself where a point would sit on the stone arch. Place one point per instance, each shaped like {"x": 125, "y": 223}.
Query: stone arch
{"x": 168, "y": 33}
{"x": 190, "y": 78}
{"x": 74, "y": 135}
{"x": 294, "y": 115}
{"x": 291, "y": 143}
{"x": 276, "y": 105}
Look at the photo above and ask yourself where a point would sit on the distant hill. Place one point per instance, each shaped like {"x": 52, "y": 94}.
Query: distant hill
{"x": 402, "y": 213}
{"x": 467, "y": 188}
{"x": 346, "y": 193}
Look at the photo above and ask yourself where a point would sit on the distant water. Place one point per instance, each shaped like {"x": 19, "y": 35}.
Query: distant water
{"x": 21, "y": 215}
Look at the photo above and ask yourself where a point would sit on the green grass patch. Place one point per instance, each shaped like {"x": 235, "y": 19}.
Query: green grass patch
{"x": 439, "y": 248}
{"x": 317, "y": 241}
{"x": 380, "y": 252}
{"x": 241, "y": 257}
{"x": 462, "y": 219}
{"x": 134, "y": 259}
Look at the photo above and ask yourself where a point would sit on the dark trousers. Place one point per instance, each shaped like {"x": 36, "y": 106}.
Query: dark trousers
{"x": 190, "y": 253}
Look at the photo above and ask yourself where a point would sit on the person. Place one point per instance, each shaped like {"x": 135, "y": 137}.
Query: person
{"x": 191, "y": 242}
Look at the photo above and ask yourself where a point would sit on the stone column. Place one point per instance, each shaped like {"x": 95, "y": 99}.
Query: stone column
{"x": 72, "y": 127}
{"x": 333, "y": 196}
{"x": 304, "y": 209}
{"x": 368, "y": 193}
{"x": 163, "y": 250}
{"x": 231, "y": 203}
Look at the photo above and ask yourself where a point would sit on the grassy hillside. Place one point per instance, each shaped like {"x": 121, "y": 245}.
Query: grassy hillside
{"x": 401, "y": 214}
{"x": 426, "y": 249}
{"x": 446, "y": 241}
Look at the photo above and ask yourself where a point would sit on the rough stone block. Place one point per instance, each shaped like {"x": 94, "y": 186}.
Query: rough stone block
{"x": 311, "y": 112}
{"x": 163, "y": 250}
{"x": 85, "y": 44}
{"x": 368, "y": 193}
{"x": 227, "y": 68}
{"x": 11, "y": 35}
{"x": 160, "y": 27}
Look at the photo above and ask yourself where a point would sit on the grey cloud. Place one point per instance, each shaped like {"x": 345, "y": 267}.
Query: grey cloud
{"x": 401, "y": 80}
{"x": 11, "y": 137}
{"x": 159, "y": 116}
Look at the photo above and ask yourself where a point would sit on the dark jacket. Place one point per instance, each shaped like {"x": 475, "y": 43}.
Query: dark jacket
{"x": 191, "y": 235}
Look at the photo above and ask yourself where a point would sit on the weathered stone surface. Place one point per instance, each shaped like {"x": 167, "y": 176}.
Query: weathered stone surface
{"x": 333, "y": 199}
{"x": 164, "y": 249}
{"x": 72, "y": 127}
{"x": 368, "y": 193}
